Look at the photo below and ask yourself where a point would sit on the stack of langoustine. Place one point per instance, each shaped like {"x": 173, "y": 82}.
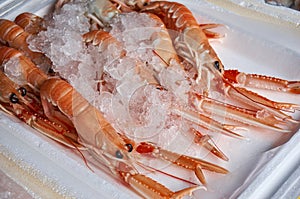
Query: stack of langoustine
{"x": 48, "y": 103}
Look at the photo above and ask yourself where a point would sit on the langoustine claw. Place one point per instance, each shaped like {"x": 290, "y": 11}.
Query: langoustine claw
{"x": 187, "y": 162}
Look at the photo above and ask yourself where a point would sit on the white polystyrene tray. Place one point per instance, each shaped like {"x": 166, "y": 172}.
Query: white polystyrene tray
{"x": 257, "y": 41}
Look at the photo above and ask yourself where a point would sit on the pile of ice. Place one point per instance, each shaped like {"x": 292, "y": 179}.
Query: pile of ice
{"x": 121, "y": 80}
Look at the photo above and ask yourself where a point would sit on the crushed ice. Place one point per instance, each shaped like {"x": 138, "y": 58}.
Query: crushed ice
{"x": 118, "y": 83}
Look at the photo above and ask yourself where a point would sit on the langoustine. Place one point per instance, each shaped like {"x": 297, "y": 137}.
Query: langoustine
{"x": 18, "y": 101}
{"x": 192, "y": 45}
